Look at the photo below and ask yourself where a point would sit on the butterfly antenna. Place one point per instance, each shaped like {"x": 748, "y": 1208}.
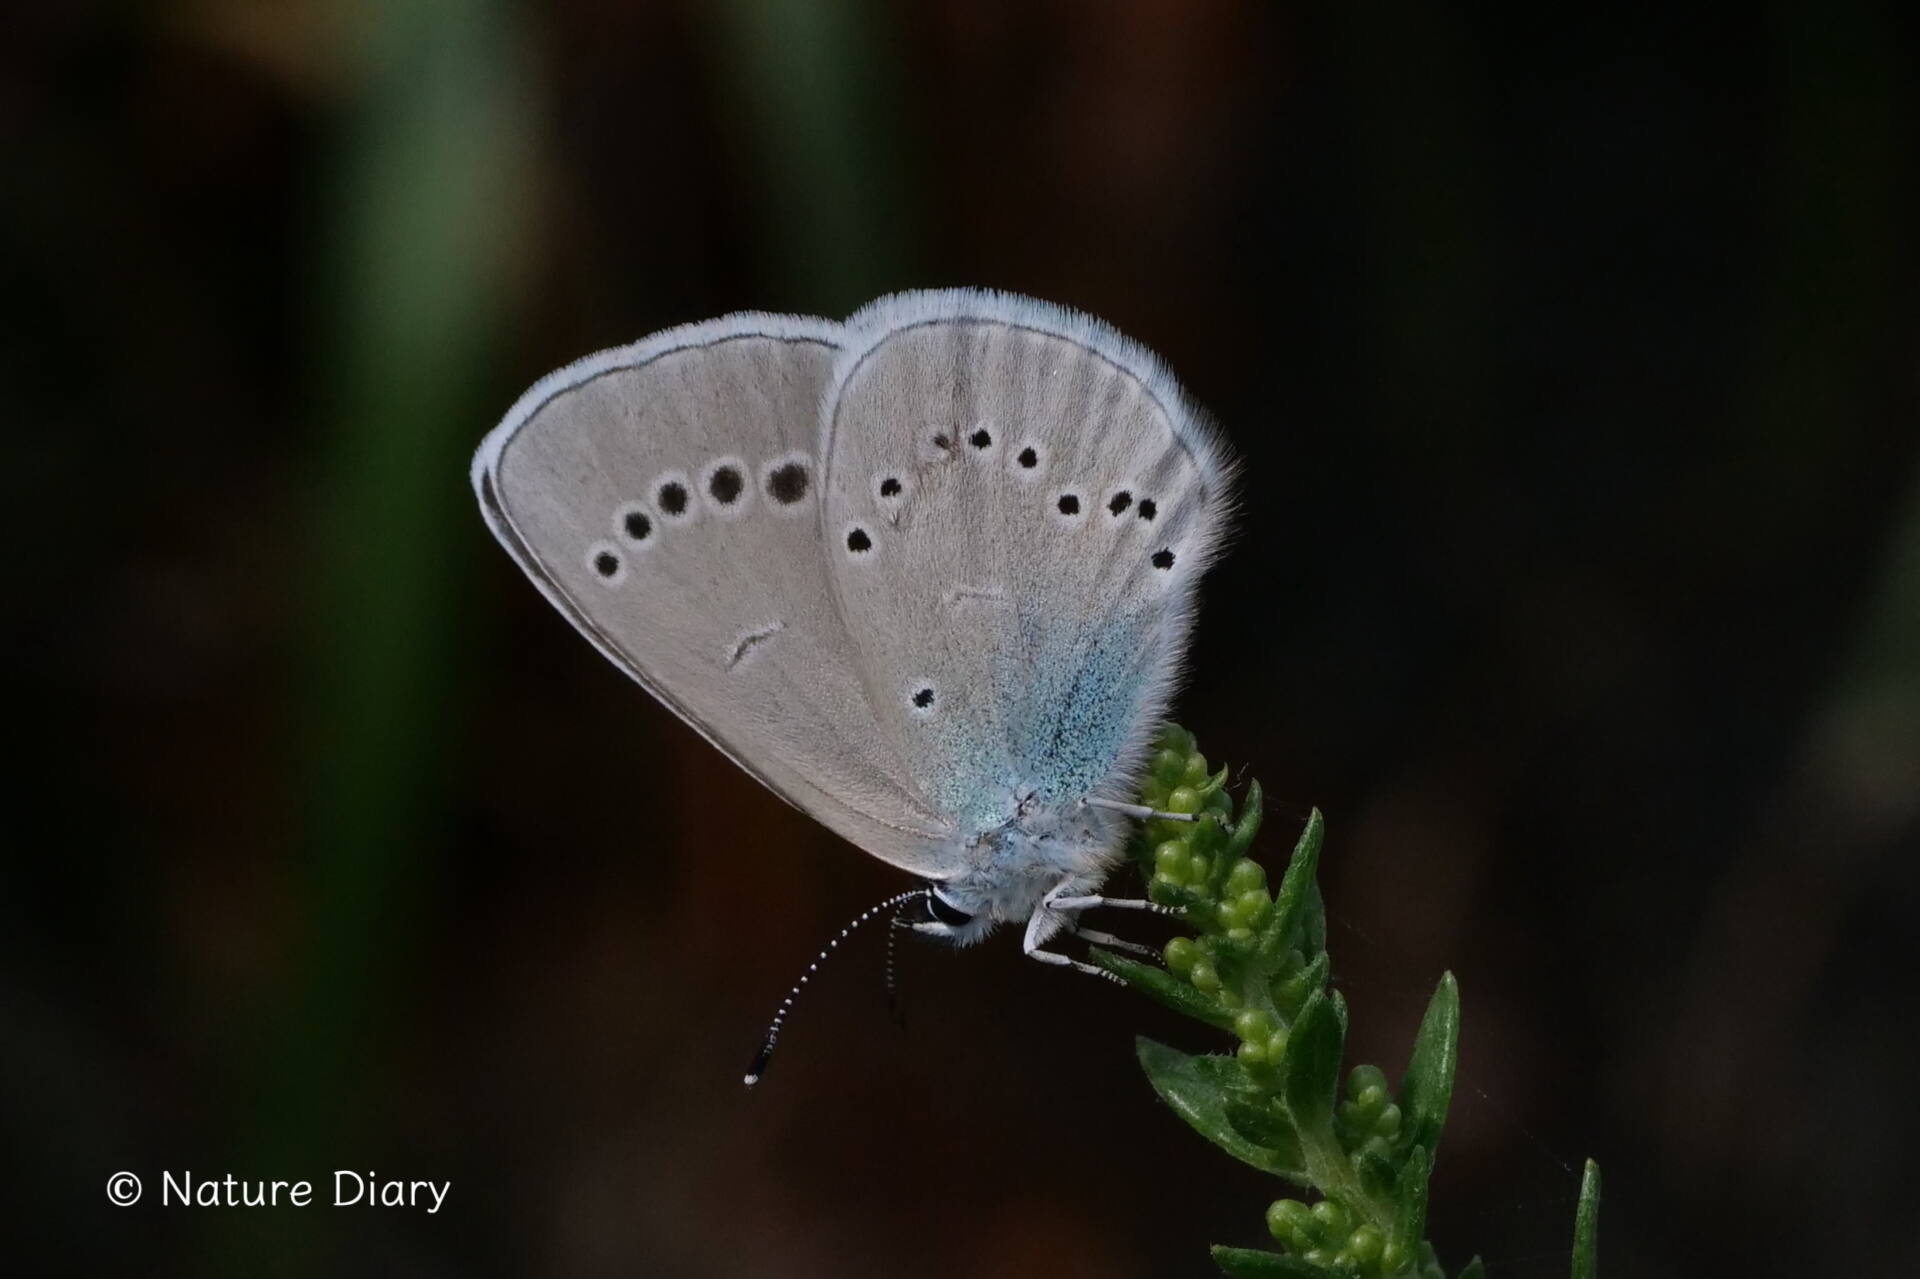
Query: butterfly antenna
{"x": 758, "y": 1069}
{"x": 895, "y": 1011}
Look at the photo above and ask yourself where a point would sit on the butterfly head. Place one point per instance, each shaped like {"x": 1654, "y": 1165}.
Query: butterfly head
{"x": 949, "y": 922}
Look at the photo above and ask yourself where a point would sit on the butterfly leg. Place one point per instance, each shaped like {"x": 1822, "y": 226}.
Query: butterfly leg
{"x": 1140, "y": 812}
{"x": 1039, "y": 928}
{"x": 1096, "y": 938}
{"x": 1067, "y": 910}
{"x": 1112, "y": 903}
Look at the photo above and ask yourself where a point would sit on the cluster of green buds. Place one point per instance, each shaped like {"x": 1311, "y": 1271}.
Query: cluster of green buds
{"x": 1327, "y": 1236}
{"x": 1368, "y": 1122}
{"x": 1253, "y": 963}
{"x": 1254, "y": 959}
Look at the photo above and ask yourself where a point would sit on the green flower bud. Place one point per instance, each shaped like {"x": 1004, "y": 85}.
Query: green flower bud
{"x": 1253, "y": 1054}
{"x": 1387, "y": 1122}
{"x": 1371, "y": 1099}
{"x": 1169, "y": 765}
{"x": 1199, "y": 867}
{"x": 1181, "y": 954}
{"x": 1254, "y": 904}
{"x": 1255, "y": 1025}
{"x": 1363, "y": 1078}
{"x": 1289, "y": 1221}
{"x": 1229, "y": 998}
{"x": 1393, "y": 1257}
{"x": 1170, "y": 858}
{"x": 1366, "y": 1244}
{"x": 1203, "y": 976}
{"x": 1276, "y": 1045}
{"x": 1240, "y": 934}
{"x": 1184, "y": 799}
{"x": 1246, "y": 876}
{"x": 1331, "y": 1216}
{"x": 1196, "y": 772}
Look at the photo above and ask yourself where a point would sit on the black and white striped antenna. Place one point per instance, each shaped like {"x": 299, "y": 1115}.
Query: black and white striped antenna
{"x": 761, "y": 1058}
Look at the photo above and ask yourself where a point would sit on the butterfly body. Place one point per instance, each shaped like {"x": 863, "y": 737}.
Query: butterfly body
{"x": 927, "y": 574}
{"x": 1006, "y": 871}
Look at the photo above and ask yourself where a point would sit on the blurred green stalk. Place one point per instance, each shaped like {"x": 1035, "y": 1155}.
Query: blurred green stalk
{"x": 417, "y": 226}
{"x": 813, "y": 86}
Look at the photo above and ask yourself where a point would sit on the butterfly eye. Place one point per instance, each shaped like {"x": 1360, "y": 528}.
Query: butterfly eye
{"x": 944, "y": 912}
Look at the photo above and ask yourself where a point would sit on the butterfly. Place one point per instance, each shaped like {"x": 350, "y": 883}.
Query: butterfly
{"x": 928, "y": 574}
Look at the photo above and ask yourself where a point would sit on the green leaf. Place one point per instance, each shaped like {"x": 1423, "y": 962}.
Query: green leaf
{"x": 1249, "y": 824}
{"x": 1262, "y": 1125}
{"x": 1377, "y": 1172}
{"x": 1163, "y": 986}
{"x": 1410, "y": 1202}
{"x": 1310, "y": 1068}
{"x": 1474, "y": 1270}
{"x": 1290, "y": 901}
{"x": 1215, "y": 783}
{"x": 1293, "y": 993}
{"x": 1586, "y": 1226}
{"x": 1313, "y": 922}
{"x": 1251, "y": 1263}
{"x": 1199, "y": 1090}
{"x": 1427, "y": 1088}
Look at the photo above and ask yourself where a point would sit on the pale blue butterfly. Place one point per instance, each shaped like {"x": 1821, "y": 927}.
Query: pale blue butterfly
{"x": 928, "y": 575}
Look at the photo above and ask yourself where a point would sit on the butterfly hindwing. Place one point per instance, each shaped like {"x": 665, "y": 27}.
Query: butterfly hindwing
{"x": 666, "y": 498}
{"x": 1018, "y": 505}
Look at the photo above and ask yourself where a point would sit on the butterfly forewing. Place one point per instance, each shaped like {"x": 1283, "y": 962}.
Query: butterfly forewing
{"x": 1018, "y": 506}
{"x": 666, "y": 497}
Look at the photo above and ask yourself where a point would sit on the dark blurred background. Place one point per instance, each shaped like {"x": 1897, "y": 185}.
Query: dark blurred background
{"x": 1573, "y": 353}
